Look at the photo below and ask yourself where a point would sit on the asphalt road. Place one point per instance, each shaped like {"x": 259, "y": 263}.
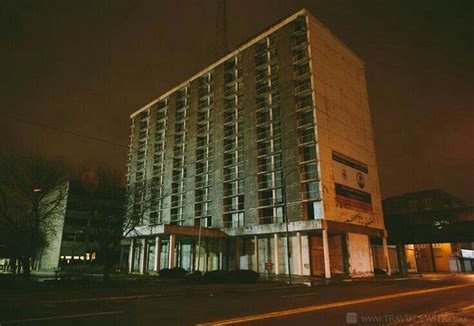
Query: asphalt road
{"x": 422, "y": 301}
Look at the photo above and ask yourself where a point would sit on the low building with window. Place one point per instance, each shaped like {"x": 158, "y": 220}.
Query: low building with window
{"x": 421, "y": 201}
{"x": 264, "y": 158}
{"x": 73, "y": 244}
{"x": 433, "y": 230}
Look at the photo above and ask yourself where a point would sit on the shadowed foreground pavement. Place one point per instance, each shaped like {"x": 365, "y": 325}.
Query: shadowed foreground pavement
{"x": 423, "y": 301}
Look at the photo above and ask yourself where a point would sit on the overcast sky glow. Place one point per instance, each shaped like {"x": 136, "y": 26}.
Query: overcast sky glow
{"x": 85, "y": 66}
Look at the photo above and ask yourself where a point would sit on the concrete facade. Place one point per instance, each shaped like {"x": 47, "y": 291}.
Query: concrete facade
{"x": 272, "y": 141}
{"x": 48, "y": 257}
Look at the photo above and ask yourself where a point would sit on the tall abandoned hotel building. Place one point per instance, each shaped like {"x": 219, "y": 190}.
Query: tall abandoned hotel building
{"x": 278, "y": 129}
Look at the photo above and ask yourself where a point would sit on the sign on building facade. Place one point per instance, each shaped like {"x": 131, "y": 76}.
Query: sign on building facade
{"x": 352, "y": 182}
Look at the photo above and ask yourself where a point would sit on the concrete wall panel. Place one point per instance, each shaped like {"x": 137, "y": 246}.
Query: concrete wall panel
{"x": 343, "y": 121}
{"x": 359, "y": 255}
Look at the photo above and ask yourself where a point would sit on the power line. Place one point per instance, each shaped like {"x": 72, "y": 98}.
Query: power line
{"x": 65, "y": 131}
{"x": 133, "y": 146}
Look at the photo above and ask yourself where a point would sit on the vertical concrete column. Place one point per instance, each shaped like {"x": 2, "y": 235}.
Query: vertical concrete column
{"x": 221, "y": 254}
{"x": 156, "y": 266}
{"x": 237, "y": 253}
{"x": 432, "y": 257}
{"x": 198, "y": 252}
{"x": 171, "y": 246}
{"x": 206, "y": 255}
{"x": 402, "y": 259}
{"x": 178, "y": 256}
{"x": 143, "y": 256}
{"x": 255, "y": 247}
{"x": 275, "y": 250}
{"x": 130, "y": 256}
{"x": 387, "y": 259}
{"x": 371, "y": 255}
{"x": 327, "y": 263}
{"x": 121, "y": 256}
{"x": 300, "y": 252}
{"x": 193, "y": 255}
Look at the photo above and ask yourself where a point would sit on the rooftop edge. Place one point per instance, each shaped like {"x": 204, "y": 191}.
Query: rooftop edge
{"x": 240, "y": 48}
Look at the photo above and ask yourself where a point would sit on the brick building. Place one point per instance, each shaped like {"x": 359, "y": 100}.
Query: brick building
{"x": 277, "y": 131}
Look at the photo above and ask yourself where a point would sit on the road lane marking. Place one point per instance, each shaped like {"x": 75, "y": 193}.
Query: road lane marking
{"x": 299, "y": 295}
{"x": 329, "y": 306}
{"x": 468, "y": 307}
{"x": 270, "y": 288}
{"x": 146, "y": 296}
{"x": 129, "y": 297}
{"x": 4, "y": 322}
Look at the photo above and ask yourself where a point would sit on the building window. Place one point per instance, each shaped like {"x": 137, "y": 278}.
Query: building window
{"x": 309, "y": 153}
{"x": 204, "y": 150}
{"x": 179, "y": 171}
{"x": 233, "y": 143}
{"x": 428, "y": 204}
{"x": 155, "y": 189}
{"x": 307, "y": 140}
{"x": 136, "y": 178}
{"x": 268, "y": 129}
{"x": 413, "y": 205}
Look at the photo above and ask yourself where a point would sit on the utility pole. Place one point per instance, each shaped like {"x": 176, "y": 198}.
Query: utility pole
{"x": 221, "y": 45}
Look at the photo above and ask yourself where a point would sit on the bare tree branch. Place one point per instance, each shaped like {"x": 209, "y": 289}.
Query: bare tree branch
{"x": 28, "y": 208}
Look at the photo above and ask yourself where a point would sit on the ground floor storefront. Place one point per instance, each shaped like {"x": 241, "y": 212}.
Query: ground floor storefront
{"x": 307, "y": 248}
{"x": 439, "y": 241}
{"x": 439, "y": 257}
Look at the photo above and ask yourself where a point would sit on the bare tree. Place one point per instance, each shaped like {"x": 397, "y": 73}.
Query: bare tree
{"x": 113, "y": 217}
{"x": 33, "y": 194}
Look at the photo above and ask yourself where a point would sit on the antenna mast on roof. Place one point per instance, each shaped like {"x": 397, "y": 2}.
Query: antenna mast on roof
{"x": 221, "y": 46}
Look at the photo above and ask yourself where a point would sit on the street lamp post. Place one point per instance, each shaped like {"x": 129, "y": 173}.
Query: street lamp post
{"x": 199, "y": 243}
{"x": 288, "y": 253}
{"x": 285, "y": 208}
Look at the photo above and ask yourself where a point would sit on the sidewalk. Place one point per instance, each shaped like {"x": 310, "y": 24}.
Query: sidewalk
{"x": 314, "y": 280}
